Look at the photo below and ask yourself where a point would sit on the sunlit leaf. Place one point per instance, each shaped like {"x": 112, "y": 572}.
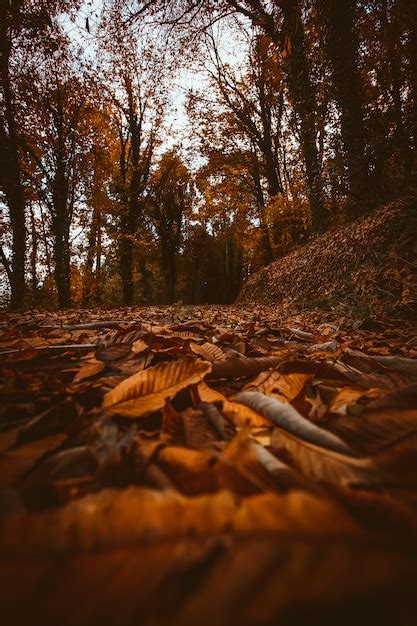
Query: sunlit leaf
{"x": 147, "y": 391}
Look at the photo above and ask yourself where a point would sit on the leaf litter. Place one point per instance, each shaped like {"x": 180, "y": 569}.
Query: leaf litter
{"x": 219, "y": 464}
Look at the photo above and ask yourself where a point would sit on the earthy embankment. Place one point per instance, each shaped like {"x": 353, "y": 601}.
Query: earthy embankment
{"x": 368, "y": 267}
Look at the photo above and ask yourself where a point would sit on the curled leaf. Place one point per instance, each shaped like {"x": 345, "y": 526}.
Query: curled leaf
{"x": 286, "y": 416}
{"x": 237, "y": 413}
{"x": 323, "y": 465}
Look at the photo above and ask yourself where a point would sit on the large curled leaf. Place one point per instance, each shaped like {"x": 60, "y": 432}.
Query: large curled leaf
{"x": 136, "y": 516}
{"x": 286, "y": 416}
{"x": 324, "y": 465}
{"x": 147, "y": 391}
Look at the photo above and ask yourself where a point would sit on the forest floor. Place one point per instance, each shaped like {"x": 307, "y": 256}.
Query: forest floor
{"x": 363, "y": 269}
{"x": 207, "y": 465}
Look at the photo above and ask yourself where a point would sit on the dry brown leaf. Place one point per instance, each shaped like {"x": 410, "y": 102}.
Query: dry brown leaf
{"x": 113, "y": 352}
{"x": 286, "y": 416}
{"x": 246, "y": 467}
{"x": 237, "y": 367}
{"x": 399, "y": 364}
{"x": 132, "y": 515}
{"x": 347, "y": 398}
{"x": 208, "y": 351}
{"x": 88, "y": 370}
{"x": 147, "y": 391}
{"x": 16, "y": 461}
{"x": 285, "y": 387}
{"x": 398, "y": 462}
{"x": 237, "y": 413}
{"x": 327, "y": 346}
{"x": 298, "y": 511}
{"x": 324, "y": 465}
{"x": 139, "y": 346}
{"x": 190, "y": 470}
{"x": 373, "y": 429}
{"x": 404, "y": 397}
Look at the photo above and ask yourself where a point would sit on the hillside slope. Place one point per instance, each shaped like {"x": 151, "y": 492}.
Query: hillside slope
{"x": 368, "y": 267}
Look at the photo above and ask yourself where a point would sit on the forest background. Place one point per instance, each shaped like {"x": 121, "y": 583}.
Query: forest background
{"x": 161, "y": 151}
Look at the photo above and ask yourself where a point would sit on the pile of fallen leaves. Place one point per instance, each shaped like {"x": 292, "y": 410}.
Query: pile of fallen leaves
{"x": 211, "y": 465}
{"x": 365, "y": 268}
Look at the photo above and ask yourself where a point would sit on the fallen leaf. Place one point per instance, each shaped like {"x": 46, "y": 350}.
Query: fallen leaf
{"x": 18, "y": 460}
{"x": 208, "y": 351}
{"x": 236, "y": 367}
{"x": 88, "y": 370}
{"x": 323, "y": 465}
{"x": 286, "y": 416}
{"x": 284, "y": 387}
{"x": 147, "y": 391}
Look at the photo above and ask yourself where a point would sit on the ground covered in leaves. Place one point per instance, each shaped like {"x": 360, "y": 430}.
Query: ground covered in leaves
{"x": 365, "y": 268}
{"x": 207, "y": 465}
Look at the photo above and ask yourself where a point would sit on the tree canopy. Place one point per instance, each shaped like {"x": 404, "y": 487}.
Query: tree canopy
{"x": 144, "y": 143}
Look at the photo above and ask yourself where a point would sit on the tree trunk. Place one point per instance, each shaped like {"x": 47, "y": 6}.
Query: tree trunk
{"x": 342, "y": 49}
{"x": 62, "y": 263}
{"x": 303, "y": 98}
{"x": 97, "y": 277}
{"x": 126, "y": 267}
{"x": 34, "y": 254}
{"x": 266, "y": 145}
{"x": 89, "y": 283}
{"x": 266, "y": 248}
{"x": 130, "y": 221}
{"x": 147, "y": 291}
{"x": 10, "y": 175}
{"x": 392, "y": 36}
{"x": 60, "y": 225}
{"x": 410, "y": 14}
{"x": 6, "y": 264}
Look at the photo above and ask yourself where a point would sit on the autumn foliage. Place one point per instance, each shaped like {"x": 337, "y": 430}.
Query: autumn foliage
{"x": 168, "y": 457}
{"x": 165, "y": 151}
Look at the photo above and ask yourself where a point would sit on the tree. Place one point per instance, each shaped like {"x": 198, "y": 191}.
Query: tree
{"x": 409, "y": 13}
{"x": 10, "y": 176}
{"x": 135, "y": 77}
{"x": 342, "y": 48}
{"x": 59, "y": 141}
{"x": 242, "y": 122}
{"x": 170, "y": 197}
{"x": 102, "y": 164}
{"x": 29, "y": 34}
{"x": 282, "y": 22}
{"x": 135, "y": 162}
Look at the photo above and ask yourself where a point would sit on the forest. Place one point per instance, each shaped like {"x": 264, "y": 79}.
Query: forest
{"x": 208, "y": 312}
{"x": 165, "y": 151}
